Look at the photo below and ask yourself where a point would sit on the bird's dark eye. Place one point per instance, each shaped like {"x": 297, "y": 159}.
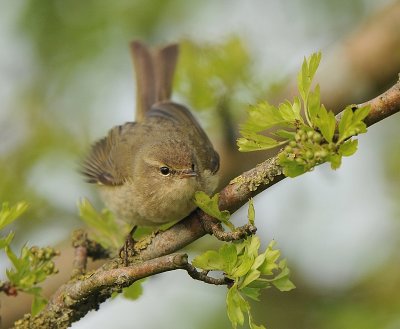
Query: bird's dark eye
{"x": 192, "y": 166}
{"x": 165, "y": 171}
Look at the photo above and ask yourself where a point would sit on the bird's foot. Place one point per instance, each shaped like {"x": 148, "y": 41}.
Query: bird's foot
{"x": 128, "y": 247}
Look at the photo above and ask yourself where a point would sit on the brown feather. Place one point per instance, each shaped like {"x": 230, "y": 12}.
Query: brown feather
{"x": 100, "y": 166}
{"x": 145, "y": 79}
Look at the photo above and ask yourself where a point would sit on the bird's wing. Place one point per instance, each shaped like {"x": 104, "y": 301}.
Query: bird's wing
{"x": 102, "y": 166}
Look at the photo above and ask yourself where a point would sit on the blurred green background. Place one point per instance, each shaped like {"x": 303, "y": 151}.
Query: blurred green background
{"x": 66, "y": 78}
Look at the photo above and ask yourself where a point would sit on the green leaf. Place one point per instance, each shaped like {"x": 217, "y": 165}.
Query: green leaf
{"x": 9, "y": 214}
{"x": 361, "y": 113}
{"x": 260, "y": 284}
{"x": 282, "y": 281}
{"x": 13, "y": 258}
{"x": 348, "y": 148}
{"x": 210, "y": 260}
{"x": 229, "y": 256}
{"x": 236, "y": 305}
{"x": 335, "y": 160}
{"x": 251, "y": 212}
{"x": 134, "y": 291}
{"x": 285, "y": 134}
{"x": 38, "y": 304}
{"x": 352, "y": 123}
{"x": 258, "y": 261}
{"x": 106, "y": 229}
{"x": 252, "y": 325}
{"x": 210, "y": 206}
{"x": 271, "y": 257}
{"x": 345, "y": 121}
{"x": 255, "y": 142}
{"x": 314, "y": 104}
{"x": 253, "y": 293}
{"x": 296, "y": 107}
{"x": 288, "y": 114}
{"x": 251, "y": 276}
{"x": 243, "y": 266}
{"x": 4, "y": 242}
{"x": 290, "y": 167}
{"x": 326, "y": 123}
{"x": 306, "y": 75}
{"x": 264, "y": 116}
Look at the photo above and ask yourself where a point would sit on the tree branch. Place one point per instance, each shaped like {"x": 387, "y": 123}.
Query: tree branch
{"x": 77, "y": 297}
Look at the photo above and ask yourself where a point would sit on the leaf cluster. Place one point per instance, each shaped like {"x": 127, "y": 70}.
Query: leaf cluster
{"x": 312, "y": 140}
{"x": 32, "y": 266}
{"x": 249, "y": 270}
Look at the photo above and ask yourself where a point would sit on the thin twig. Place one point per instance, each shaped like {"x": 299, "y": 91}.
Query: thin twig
{"x": 202, "y": 276}
{"x": 84, "y": 248}
{"x": 214, "y": 227}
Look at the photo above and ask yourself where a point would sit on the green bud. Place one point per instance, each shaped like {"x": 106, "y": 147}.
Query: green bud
{"x": 309, "y": 155}
{"x": 310, "y": 134}
{"x": 292, "y": 144}
{"x": 317, "y": 137}
{"x": 288, "y": 149}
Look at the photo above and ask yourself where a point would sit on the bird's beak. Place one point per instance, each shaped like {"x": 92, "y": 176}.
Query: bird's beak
{"x": 188, "y": 173}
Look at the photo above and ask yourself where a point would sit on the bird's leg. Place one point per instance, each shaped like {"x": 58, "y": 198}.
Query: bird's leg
{"x": 128, "y": 246}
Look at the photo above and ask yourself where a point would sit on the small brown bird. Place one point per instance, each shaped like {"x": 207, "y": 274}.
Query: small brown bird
{"x": 148, "y": 171}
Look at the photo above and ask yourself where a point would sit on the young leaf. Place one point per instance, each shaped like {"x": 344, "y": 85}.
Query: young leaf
{"x": 282, "y": 281}
{"x": 242, "y": 267}
{"x": 314, "y": 104}
{"x": 352, "y": 123}
{"x": 9, "y": 214}
{"x": 253, "y": 293}
{"x": 251, "y": 276}
{"x": 210, "y": 206}
{"x": 210, "y": 260}
{"x": 251, "y": 212}
{"x": 306, "y": 75}
{"x": 361, "y": 113}
{"x": 38, "y": 303}
{"x": 134, "y": 291}
{"x": 229, "y": 256}
{"x": 326, "y": 123}
{"x": 348, "y": 148}
{"x": 236, "y": 305}
{"x": 4, "y": 242}
{"x": 251, "y": 141}
{"x": 335, "y": 160}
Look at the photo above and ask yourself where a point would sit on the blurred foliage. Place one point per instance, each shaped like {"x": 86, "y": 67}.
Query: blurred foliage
{"x": 209, "y": 72}
{"x": 69, "y": 33}
{"x": 103, "y": 225}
